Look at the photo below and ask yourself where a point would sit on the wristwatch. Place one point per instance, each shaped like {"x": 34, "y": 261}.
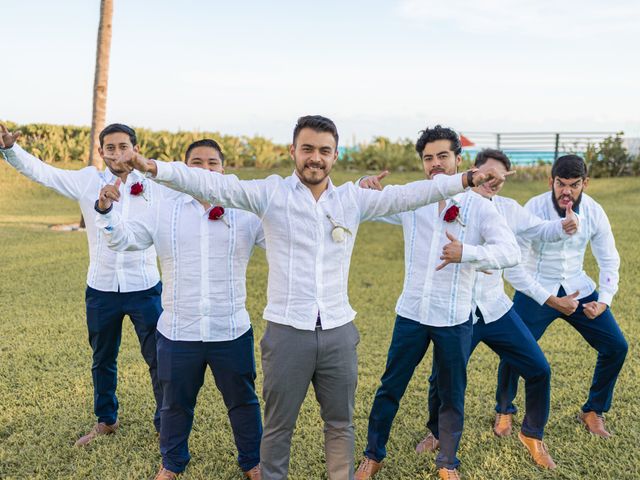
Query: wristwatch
{"x": 102, "y": 212}
{"x": 469, "y": 179}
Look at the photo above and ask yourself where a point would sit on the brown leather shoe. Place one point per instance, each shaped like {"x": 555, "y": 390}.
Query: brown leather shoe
{"x": 164, "y": 474}
{"x": 254, "y": 474}
{"x": 538, "y": 451}
{"x": 447, "y": 474}
{"x": 502, "y": 427}
{"x": 367, "y": 469}
{"x": 97, "y": 430}
{"x": 594, "y": 423}
{"x": 428, "y": 444}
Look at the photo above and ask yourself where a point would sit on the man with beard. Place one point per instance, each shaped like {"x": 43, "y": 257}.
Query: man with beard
{"x": 118, "y": 283}
{"x": 203, "y": 251}
{"x": 552, "y": 284}
{"x": 497, "y": 324}
{"x": 466, "y": 234}
{"x": 310, "y": 228}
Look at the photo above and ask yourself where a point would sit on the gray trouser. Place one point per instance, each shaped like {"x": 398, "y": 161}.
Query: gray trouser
{"x": 291, "y": 359}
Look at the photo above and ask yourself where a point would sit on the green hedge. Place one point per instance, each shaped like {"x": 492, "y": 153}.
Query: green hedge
{"x": 63, "y": 143}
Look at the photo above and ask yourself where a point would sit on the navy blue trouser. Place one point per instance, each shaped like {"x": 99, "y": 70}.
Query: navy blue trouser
{"x": 602, "y": 333}
{"x": 451, "y": 346}
{"x": 512, "y": 341}
{"x": 181, "y": 369}
{"x": 105, "y": 313}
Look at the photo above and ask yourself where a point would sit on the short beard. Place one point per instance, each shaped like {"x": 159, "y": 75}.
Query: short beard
{"x": 559, "y": 210}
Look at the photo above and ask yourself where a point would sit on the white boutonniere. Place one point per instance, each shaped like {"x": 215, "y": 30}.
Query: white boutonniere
{"x": 338, "y": 232}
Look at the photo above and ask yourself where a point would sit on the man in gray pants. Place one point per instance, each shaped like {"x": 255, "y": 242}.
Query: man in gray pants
{"x": 310, "y": 227}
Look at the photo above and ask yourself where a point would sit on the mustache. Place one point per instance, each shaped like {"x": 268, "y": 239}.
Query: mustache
{"x": 436, "y": 170}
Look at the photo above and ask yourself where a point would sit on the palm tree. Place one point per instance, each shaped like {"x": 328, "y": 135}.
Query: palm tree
{"x": 101, "y": 80}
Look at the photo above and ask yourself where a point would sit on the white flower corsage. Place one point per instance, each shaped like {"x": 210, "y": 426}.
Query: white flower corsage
{"x": 338, "y": 232}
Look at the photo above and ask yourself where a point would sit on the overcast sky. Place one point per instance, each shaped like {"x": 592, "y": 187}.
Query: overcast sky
{"x": 375, "y": 67}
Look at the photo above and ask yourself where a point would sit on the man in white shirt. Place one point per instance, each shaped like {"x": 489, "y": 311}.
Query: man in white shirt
{"x": 552, "y": 283}
{"x": 497, "y": 324}
{"x": 118, "y": 284}
{"x": 445, "y": 243}
{"x": 203, "y": 251}
{"x": 310, "y": 228}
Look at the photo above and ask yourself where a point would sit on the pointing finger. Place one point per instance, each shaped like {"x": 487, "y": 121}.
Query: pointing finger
{"x": 383, "y": 174}
{"x": 442, "y": 265}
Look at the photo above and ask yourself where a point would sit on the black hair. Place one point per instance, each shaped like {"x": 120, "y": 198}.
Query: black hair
{"x": 317, "y": 123}
{"x": 569, "y": 166}
{"x": 115, "y": 128}
{"x": 429, "y": 135}
{"x": 205, "y": 142}
{"x": 487, "y": 153}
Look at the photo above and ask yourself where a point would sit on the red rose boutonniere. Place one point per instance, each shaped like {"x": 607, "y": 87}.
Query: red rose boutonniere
{"x": 217, "y": 213}
{"x": 137, "y": 189}
{"x": 453, "y": 215}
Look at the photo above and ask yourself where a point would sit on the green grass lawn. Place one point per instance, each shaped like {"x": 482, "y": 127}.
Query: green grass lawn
{"x": 45, "y": 361}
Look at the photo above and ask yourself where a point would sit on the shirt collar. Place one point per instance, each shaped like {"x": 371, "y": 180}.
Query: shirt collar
{"x": 295, "y": 182}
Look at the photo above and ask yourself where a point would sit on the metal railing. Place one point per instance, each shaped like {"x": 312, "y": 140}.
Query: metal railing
{"x": 532, "y": 147}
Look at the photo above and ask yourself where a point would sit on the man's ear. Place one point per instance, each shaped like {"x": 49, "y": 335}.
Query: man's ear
{"x": 136, "y": 148}
{"x": 292, "y": 150}
{"x": 585, "y": 183}
{"x": 551, "y": 183}
{"x": 101, "y": 152}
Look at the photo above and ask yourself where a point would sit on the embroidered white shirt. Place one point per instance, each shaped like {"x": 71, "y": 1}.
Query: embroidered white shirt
{"x": 547, "y": 266}
{"x": 308, "y": 270}
{"x": 109, "y": 271}
{"x": 488, "y": 293}
{"x": 443, "y": 298}
{"x": 203, "y": 262}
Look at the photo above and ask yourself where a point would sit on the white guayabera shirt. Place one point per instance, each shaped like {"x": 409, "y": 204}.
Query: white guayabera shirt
{"x": 551, "y": 265}
{"x": 308, "y": 270}
{"x": 443, "y": 298}
{"x": 488, "y": 292}
{"x": 109, "y": 271}
{"x": 203, "y": 262}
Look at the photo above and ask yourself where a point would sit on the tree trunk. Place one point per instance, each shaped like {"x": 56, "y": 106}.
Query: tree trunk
{"x": 100, "y": 84}
{"x": 101, "y": 80}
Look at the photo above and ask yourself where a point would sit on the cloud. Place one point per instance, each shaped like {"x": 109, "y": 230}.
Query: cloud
{"x": 536, "y": 18}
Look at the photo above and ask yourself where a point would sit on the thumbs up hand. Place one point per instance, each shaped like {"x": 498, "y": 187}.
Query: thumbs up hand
{"x": 108, "y": 194}
{"x": 451, "y": 252}
{"x": 570, "y": 223}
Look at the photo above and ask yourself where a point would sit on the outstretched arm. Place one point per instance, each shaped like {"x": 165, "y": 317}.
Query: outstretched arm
{"x": 70, "y": 183}
{"x": 401, "y": 198}
{"x": 227, "y": 190}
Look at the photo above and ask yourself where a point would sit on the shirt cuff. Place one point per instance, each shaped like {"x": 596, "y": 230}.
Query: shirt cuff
{"x": 540, "y": 295}
{"x": 105, "y": 221}
{"x": 604, "y": 297}
{"x": 469, "y": 253}
{"x": 454, "y": 184}
{"x": 9, "y": 149}
{"x": 164, "y": 171}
